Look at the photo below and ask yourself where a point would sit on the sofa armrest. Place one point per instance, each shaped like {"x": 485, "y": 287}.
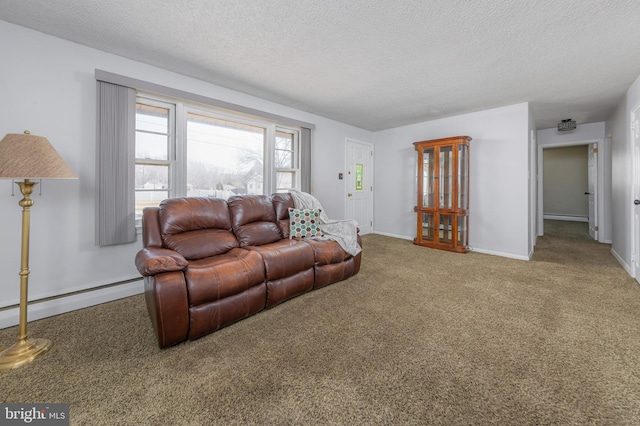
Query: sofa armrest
{"x": 154, "y": 260}
{"x": 168, "y": 306}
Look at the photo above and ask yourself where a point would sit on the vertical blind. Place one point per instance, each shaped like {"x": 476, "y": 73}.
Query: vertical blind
{"x": 116, "y": 167}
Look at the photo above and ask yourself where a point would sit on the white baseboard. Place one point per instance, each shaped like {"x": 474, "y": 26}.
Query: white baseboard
{"x": 402, "y": 237}
{"x": 567, "y": 218}
{"x": 622, "y": 262}
{"x": 59, "y": 305}
{"x": 501, "y": 254}
{"x": 477, "y": 250}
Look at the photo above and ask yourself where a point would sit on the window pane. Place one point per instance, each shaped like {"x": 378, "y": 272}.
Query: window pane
{"x": 148, "y": 199}
{"x": 284, "y": 160}
{"x": 223, "y": 157}
{"x": 285, "y": 180}
{"x": 359, "y": 177}
{"x": 284, "y": 141}
{"x": 152, "y": 177}
{"x": 151, "y": 146}
{"x": 152, "y": 119}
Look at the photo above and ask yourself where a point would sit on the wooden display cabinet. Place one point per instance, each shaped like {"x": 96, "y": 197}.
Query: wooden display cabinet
{"x": 443, "y": 194}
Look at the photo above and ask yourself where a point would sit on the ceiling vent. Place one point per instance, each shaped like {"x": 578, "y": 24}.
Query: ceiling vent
{"x": 566, "y": 125}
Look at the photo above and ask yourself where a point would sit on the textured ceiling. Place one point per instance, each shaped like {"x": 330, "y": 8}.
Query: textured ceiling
{"x": 375, "y": 64}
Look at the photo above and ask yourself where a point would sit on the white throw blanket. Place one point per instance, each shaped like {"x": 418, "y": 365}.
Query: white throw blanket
{"x": 344, "y": 232}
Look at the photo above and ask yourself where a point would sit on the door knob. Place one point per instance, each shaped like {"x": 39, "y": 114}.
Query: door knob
{"x": 349, "y": 194}
{"x": 587, "y": 193}
{"x": 636, "y": 202}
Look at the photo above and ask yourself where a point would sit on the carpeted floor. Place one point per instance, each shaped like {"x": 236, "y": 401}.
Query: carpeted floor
{"x": 420, "y": 336}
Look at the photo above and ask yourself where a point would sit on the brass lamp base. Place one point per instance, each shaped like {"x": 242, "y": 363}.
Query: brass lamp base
{"x": 23, "y": 352}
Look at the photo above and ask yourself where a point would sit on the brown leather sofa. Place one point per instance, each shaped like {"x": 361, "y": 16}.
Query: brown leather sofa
{"x": 208, "y": 263}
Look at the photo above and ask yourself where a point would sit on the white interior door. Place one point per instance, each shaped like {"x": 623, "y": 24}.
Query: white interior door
{"x": 635, "y": 131}
{"x": 592, "y": 164}
{"x": 359, "y": 204}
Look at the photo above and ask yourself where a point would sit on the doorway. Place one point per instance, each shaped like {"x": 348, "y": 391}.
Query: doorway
{"x": 590, "y": 197}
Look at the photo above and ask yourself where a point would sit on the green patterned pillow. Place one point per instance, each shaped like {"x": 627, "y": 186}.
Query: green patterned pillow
{"x": 304, "y": 223}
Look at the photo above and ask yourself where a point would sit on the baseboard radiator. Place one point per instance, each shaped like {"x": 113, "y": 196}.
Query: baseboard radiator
{"x": 67, "y": 302}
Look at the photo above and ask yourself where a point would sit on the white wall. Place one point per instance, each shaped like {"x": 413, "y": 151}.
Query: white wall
{"x": 499, "y": 199}
{"x": 621, "y": 177}
{"x": 48, "y": 87}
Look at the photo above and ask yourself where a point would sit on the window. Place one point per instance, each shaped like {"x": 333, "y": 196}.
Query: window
{"x": 154, "y": 154}
{"x": 186, "y": 150}
{"x": 224, "y": 157}
{"x": 287, "y": 161}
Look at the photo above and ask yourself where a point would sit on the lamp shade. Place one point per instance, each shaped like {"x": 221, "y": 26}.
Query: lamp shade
{"x": 25, "y": 156}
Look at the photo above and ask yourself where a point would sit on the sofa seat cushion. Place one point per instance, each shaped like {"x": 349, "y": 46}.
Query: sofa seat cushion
{"x": 283, "y": 289}
{"x": 214, "y": 278}
{"x": 327, "y": 252}
{"x": 334, "y": 272}
{"x": 209, "y": 317}
{"x": 289, "y": 266}
{"x": 285, "y": 258}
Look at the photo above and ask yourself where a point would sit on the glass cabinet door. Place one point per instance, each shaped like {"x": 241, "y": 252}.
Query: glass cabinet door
{"x": 445, "y": 235}
{"x": 428, "y": 227}
{"x": 428, "y": 162}
{"x": 463, "y": 181}
{"x": 463, "y": 235}
{"x": 446, "y": 177}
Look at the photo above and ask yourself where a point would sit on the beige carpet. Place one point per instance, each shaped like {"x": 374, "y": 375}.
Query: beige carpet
{"x": 418, "y": 337}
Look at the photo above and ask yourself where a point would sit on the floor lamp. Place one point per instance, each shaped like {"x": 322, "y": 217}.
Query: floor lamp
{"x": 25, "y": 158}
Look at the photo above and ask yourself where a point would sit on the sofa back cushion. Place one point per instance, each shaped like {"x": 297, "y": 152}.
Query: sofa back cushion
{"x": 253, "y": 220}
{"x": 196, "y": 227}
{"x": 282, "y": 202}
